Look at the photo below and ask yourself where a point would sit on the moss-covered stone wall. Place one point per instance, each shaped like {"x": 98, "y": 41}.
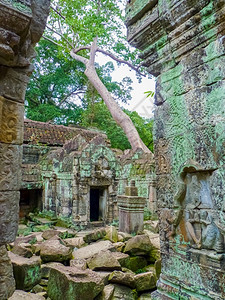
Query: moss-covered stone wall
{"x": 183, "y": 45}
{"x": 67, "y": 174}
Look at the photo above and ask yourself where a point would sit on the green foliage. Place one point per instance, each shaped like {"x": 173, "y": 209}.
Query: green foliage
{"x": 144, "y": 127}
{"x": 149, "y": 93}
{"x": 58, "y": 81}
{"x": 97, "y": 115}
{"x": 147, "y": 214}
{"x": 55, "y": 81}
{"x": 115, "y": 223}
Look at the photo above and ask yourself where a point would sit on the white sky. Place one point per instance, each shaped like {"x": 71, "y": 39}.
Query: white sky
{"x": 139, "y": 103}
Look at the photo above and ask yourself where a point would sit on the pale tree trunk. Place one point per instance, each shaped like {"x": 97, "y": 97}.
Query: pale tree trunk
{"x": 122, "y": 119}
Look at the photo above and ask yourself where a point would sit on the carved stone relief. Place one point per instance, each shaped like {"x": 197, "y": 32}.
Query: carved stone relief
{"x": 11, "y": 121}
{"x": 10, "y": 167}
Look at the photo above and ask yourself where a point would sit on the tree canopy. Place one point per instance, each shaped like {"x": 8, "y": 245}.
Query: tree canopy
{"x": 58, "y": 79}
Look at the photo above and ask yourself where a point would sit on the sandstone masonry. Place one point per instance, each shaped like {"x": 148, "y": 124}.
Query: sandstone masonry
{"x": 183, "y": 45}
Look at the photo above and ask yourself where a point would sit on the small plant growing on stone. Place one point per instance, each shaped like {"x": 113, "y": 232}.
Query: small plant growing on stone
{"x": 147, "y": 214}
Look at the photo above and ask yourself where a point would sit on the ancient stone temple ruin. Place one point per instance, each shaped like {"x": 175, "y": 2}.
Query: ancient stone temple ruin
{"x": 21, "y": 26}
{"x": 183, "y": 45}
{"x": 74, "y": 172}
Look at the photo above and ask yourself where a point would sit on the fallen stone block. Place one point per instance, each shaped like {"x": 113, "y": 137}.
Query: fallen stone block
{"x": 90, "y": 250}
{"x": 21, "y": 295}
{"x": 76, "y": 242}
{"x": 46, "y": 268}
{"x": 122, "y": 292}
{"x": 79, "y": 263}
{"x": 139, "y": 245}
{"x": 145, "y": 296}
{"x": 145, "y": 281}
{"x": 94, "y": 235}
{"x": 135, "y": 263}
{"x": 111, "y": 234}
{"x": 122, "y": 278}
{"x": 107, "y": 293}
{"x": 21, "y": 250}
{"x": 54, "y": 250}
{"x": 104, "y": 261}
{"x": 72, "y": 283}
{"x": 27, "y": 271}
{"x": 121, "y": 257}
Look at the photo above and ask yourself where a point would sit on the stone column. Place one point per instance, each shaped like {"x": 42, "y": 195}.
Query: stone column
{"x": 21, "y": 26}
{"x": 152, "y": 196}
{"x": 131, "y": 210}
{"x": 183, "y": 45}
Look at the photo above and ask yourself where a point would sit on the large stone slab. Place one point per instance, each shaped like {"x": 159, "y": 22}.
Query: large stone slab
{"x": 107, "y": 293}
{"x": 90, "y": 250}
{"x": 104, "y": 261}
{"x": 76, "y": 242}
{"x": 54, "y": 250}
{"x": 22, "y": 295}
{"x": 126, "y": 279}
{"x": 122, "y": 292}
{"x": 72, "y": 283}
{"x": 139, "y": 245}
{"x": 145, "y": 281}
{"x": 27, "y": 271}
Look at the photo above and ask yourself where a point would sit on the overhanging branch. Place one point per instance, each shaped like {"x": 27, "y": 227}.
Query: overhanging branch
{"x": 119, "y": 60}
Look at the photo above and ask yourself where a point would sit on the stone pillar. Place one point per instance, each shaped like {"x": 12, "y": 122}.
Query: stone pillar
{"x": 152, "y": 196}
{"x": 131, "y": 210}
{"x": 21, "y": 26}
{"x": 183, "y": 45}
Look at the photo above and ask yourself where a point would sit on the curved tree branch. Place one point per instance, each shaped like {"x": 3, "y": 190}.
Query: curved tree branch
{"x": 119, "y": 60}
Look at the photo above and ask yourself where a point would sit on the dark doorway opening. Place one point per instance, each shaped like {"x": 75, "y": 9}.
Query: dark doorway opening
{"x": 29, "y": 201}
{"x": 97, "y": 203}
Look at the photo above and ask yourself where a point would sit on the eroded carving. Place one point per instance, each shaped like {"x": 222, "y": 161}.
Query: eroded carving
{"x": 11, "y": 121}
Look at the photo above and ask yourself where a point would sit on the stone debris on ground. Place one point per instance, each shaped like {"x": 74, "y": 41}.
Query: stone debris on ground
{"x": 92, "y": 263}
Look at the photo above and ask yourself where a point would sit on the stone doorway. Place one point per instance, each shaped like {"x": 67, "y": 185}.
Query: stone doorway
{"x": 98, "y": 203}
{"x": 29, "y": 201}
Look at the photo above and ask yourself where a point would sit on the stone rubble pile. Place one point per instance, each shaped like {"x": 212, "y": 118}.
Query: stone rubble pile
{"x": 100, "y": 264}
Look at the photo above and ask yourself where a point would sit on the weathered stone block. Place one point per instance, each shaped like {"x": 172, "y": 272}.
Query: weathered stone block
{"x": 10, "y": 158}
{"x": 27, "y": 271}
{"x": 145, "y": 281}
{"x": 55, "y": 251}
{"x": 11, "y": 121}
{"x": 13, "y": 84}
{"x": 126, "y": 279}
{"x": 7, "y": 282}
{"x": 184, "y": 46}
{"x": 91, "y": 250}
{"x": 72, "y": 283}
{"x": 21, "y": 295}
{"x": 139, "y": 245}
{"x": 9, "y": 216}
{"x": 104, "y": 261}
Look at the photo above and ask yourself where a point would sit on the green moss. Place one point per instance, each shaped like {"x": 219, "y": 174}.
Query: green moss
{"x": 18, "y": 6}
{"x": 135, "y": 263}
